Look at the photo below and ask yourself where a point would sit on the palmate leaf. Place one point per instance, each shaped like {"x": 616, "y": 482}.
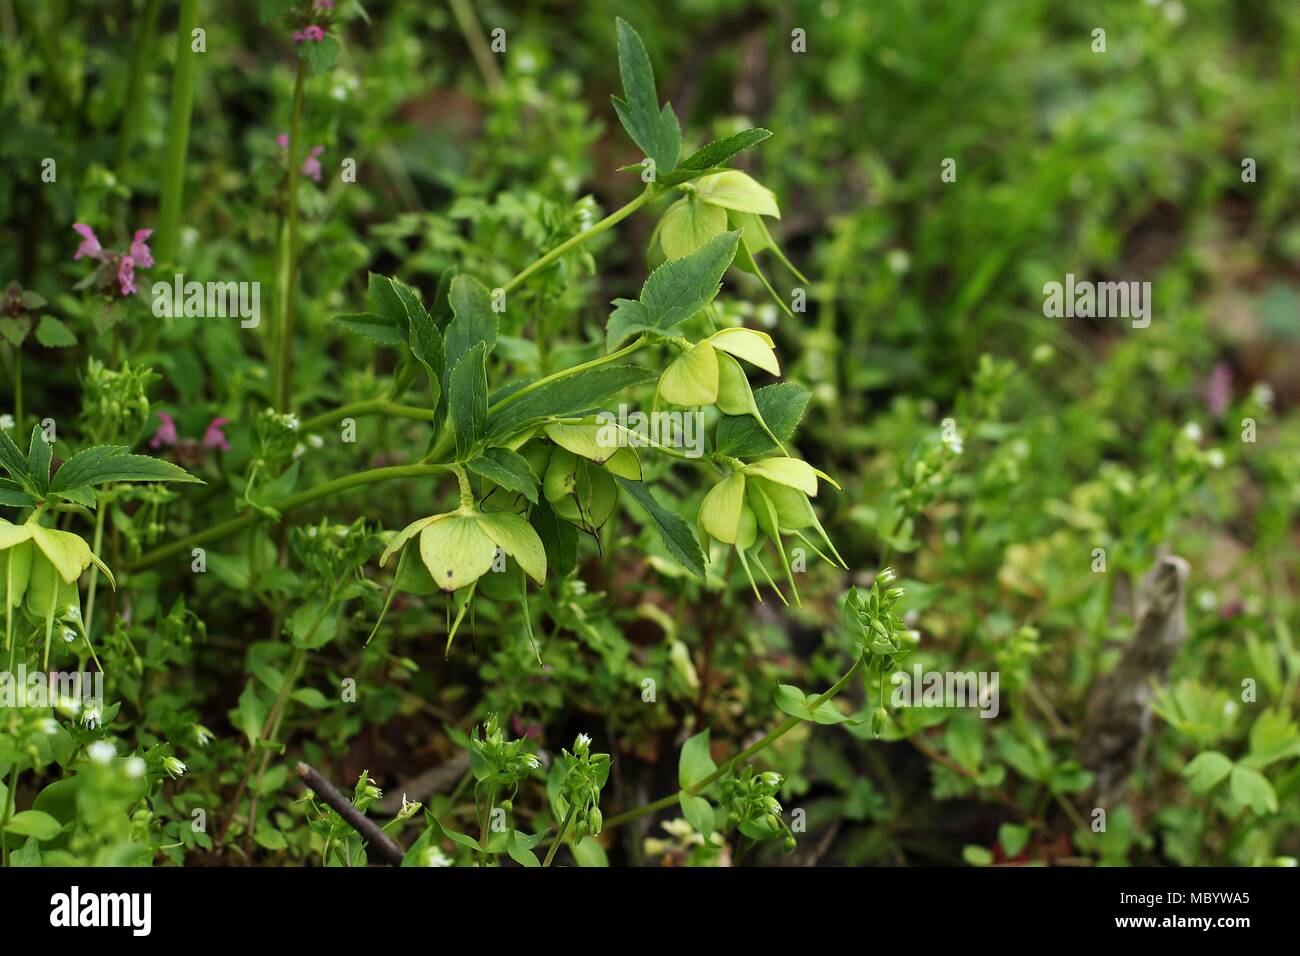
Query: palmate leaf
{"x": 653, "y": 129}
{"x": 780, "y": 405}
{"x": 674, "y": 292}
{"x": 508, "y": 469}
{"x": 106, "y": 463}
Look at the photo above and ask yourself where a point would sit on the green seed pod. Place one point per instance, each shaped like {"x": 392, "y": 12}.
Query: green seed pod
{"x": 879, "y": 718}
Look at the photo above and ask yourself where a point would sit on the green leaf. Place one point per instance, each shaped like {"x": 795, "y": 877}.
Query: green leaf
{"x": 251, "y": 713}
{"x": 588, "y": 852}
{"x": 559, "y": 538}
{"x": 105, "y": 463}
{"x": 320, "y": 55}
{"x": 571, "y": 397}
{"x": 718, "y": 153}
{"x": 1206, "y": 771}
{"x": 14, "y": 329}
{"x": 269, "y": 10}
{"x": 39, "y": 454}
{"x": 387, "y": 303}
{"x": 698, "y": 813}
{"x": 1252, "y": 789}
{"x": 653, "y": 129}
{"x": 1273, "y": 737}
{"x": 53, "y": 334}
{"x": 311, "y": 697}
{"x": 33, "y": 823}
{"x": 269, "y": 838}
{"x": 13, "y": 461}
{"x": 508, "y": 469}
{"x": 475, "y": 321}
{"x": 370, "y": 325}
{"x": 781, "y": 406}
{"x": 467, "y": 394}
{"x": 1013, "y": 838}
{"x": 695, "y": 763}
{"x": 674, "y": 292}
{"x": 427, "y": 347}
{"x": 677, "y": 533}
{"x": 798, "y": 704}
{"x": 519, "y": 846}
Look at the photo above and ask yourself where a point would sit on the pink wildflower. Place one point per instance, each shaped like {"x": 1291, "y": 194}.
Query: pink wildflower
{"x": 214, "y": 437}
{"x": 314, "y": 33}
{"x": 311, "y": 165}
{"x": 126, "y": 275}
{"x": 166, "y": 433}
{"x": 297, "y": 36}
{"x": 89, "y": 244}
{"x": 140, "y": 249}
{"x": 1218, "y": 389}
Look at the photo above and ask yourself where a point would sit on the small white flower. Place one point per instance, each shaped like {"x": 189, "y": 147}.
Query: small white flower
{"x": 408, "y": 810}
{"x": 435, "y": 857}
{"x": 135, "y": 768}
{"x": 1192, "y": 431}
{"x": 1262, "y": 394}
{"x": 581, "y": 743}
{"x": 1215, "y": 458}
{"x": 7, "y": 422}
{"x": 291, "y": 422}
{"x": 91, "y": 718}
{"x": 316, "y": 441}
{"x": 47, "y": 726}
{"x": 69, "y": 635}
{"x": 174, "y": 767}
{"x": 202, "y": 736}
{"x": 1207, "y": 600}
{"x": 101, "y": 751}
{"x": 531, "y": 762}
{"x": 299, "y": 450}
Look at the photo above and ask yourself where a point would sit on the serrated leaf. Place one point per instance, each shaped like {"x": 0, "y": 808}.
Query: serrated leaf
{"x": 674, "y": 292}
{"x": 377, "y": 328}
{"x": 653, "y": 129}
{"x": 467, "y": 395}
{"x": 53, "y": 334}
{"x": 14, "y": 329}
{"x": 475, "y": 321}
{"x": 1251, "y": 788}
{"x": 719, "y": 152}
{"x": 39, "y": 455}
{"x": 387, "y": 303}
{"x": 320, "y": 55}
{"x": 570, "y": 397}
{"x": 676, "y": 532}
{"x": 105, "y": 463}
{"x": 508, "y": 469}
{"x": 781, "y": 406}
{"x": 13, "y": 461}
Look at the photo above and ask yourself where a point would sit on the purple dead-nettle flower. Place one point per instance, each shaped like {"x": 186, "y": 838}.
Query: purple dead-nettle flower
{"x": 166, "y": 433}
{"x": 311, "y": 165}
{"x": 140, "y": 253}
{"x": 214, "y": 437}
{"x": 297, "y": 36}
{"x": 126, "y": 275}
{"x": 89, "y": 243}
{"x": 1218, "y": 389}
{"x": 313, "y": 33}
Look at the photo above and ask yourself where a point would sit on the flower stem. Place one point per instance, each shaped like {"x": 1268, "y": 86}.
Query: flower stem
{"x": 178, "y": 140}
{"x": 772, "y": 737}
{"x": 284, "y": 351}
{"x": 559, "y": 837}
{"x": 617, "y": 216}
{"x": 371, "y": 406}
{"x": 223, "y": 530}
{"x": 94, "y": 569}
{"x": 568, "y": 373}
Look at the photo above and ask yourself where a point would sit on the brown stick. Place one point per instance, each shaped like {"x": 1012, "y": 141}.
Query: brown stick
{"x": 392, "y": 853}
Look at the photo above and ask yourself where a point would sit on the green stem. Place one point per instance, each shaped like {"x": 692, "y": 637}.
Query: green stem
{"x": 559, "y": 838}
{"x": 226, "y": 528}
{"x": 617, "y": 216}
{"x": 94, "y": 569}
{"x": 568, "y": 373}
{"x": 11, "y": 804}
{"x": 776, "y": 734}
{"x": 178, "y": 140}
{"x": 18, "y": 391}
{"x": 478, "y": 44}
{"x": 285, "y": 351}
{"x": 134, "y": 91}
{"x": 371, "y": 406}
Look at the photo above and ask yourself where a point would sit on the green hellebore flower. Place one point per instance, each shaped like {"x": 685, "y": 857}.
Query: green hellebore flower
{"x": 578, "y": 491}
{"x": 39, "y": 568}
{"x": 600, "y": 442}
{"x": 458, "y": 547}
{"x": 700, "y": 376}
